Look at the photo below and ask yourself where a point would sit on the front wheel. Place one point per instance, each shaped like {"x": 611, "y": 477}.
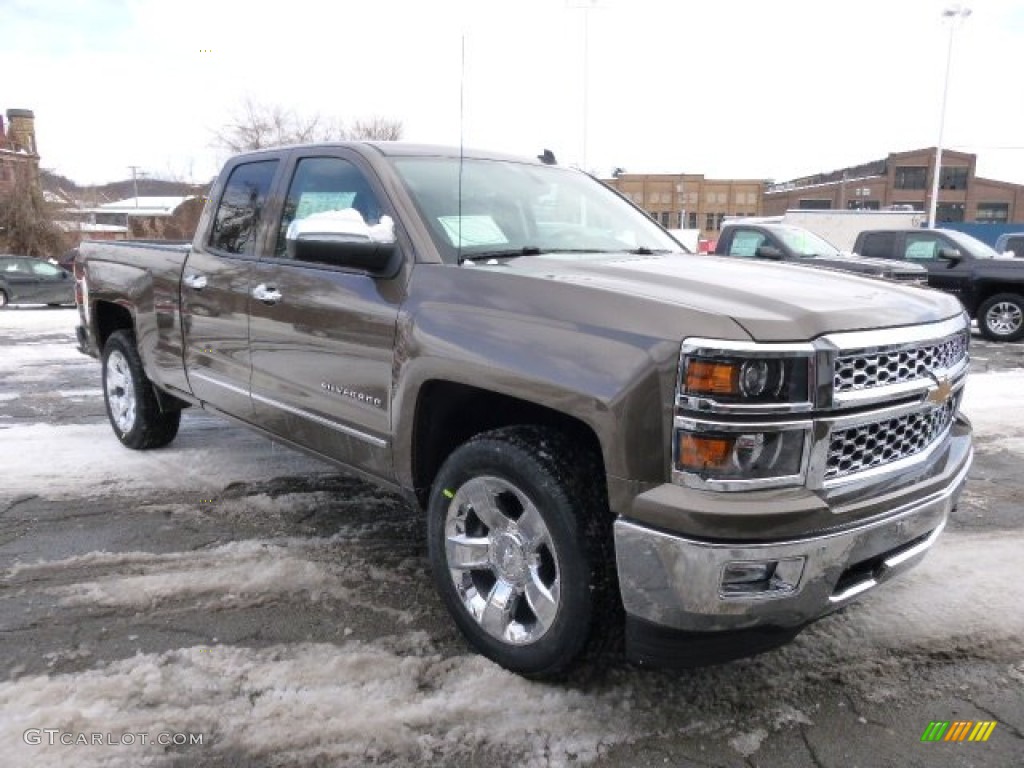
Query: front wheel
{"x": 131, "y": 403}
{"x": 1001, "y": 317}
{"x": 521, "y": 549}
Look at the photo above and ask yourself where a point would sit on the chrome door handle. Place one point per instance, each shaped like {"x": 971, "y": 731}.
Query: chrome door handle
{"x": 266, "y": 294}
{"x": 195, "y": 281}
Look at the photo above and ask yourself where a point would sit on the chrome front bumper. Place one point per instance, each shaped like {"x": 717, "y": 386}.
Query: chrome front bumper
{"x": 673, "y": 581}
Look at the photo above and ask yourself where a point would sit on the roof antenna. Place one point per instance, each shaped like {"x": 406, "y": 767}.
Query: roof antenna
{"x": 547, "y": 157}
{"x": 462, "y": 138}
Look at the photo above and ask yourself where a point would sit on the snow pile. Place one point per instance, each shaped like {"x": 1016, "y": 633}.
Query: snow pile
{"x": 236, "y": 575}
{"x": 352, "y": 704}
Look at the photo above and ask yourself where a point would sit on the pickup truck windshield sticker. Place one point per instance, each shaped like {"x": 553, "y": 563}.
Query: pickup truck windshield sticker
{"x": 474, "y": 230}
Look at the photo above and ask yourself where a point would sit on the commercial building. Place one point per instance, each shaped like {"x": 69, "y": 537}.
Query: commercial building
{"x": 690, "y": 201}
{"x": 904, "y": 180}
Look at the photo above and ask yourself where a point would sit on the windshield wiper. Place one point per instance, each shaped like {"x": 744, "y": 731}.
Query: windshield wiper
{"x": 509, "y": 253}
{"x": 643, "y": 250}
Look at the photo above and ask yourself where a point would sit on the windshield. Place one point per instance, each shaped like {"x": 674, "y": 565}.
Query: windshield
{"x": 511, "y": 208}
{"x": 972, "y": 245}
{"x": 804, "y": 243}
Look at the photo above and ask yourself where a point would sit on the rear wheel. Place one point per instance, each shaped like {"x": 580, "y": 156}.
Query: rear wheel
{"x": 131, "y": 402}
{"x": 521, "y": 549}
{"x": 1001, "y": 317}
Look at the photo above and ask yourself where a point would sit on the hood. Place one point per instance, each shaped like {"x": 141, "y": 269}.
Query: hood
{"x": 854, "y": 262}
{"x": 772, "y": 302}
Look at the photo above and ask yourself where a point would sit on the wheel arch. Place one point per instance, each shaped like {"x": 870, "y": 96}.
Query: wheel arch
{"x": 448, "y": 413}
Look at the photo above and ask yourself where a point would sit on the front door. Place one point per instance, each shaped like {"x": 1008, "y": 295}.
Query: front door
{"x": 215, "y": 291}
{"x": 949, "y": 276}
{"x": 322, "y": 338}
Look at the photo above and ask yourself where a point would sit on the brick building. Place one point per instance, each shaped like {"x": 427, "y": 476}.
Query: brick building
{"x": 18, "y": 152}
{"x": 905, "y": 179}
{"x": 689, "y": 201}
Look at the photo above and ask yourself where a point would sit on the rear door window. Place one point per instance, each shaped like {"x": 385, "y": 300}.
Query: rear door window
{"x": 236, "y": 223}
{"x": 1016, "y": 244}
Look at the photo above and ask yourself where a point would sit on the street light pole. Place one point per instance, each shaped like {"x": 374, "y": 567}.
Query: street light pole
{"x": 953, "y": 13}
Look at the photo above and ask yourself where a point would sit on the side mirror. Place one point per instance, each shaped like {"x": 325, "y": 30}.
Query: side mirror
{"x": 343, "y": 239}
{"x": 766, "y": 251}
{"x": 950, "y": 254}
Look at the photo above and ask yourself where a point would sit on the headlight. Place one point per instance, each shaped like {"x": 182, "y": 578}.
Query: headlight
{"x": 742, "y": 380}
{"x": 738, "y": 411}
{"x": 745, "y": 455}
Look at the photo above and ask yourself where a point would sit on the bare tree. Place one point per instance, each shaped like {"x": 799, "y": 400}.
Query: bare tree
{"x": 259, "y": 126}
{"x": 376, "y": 128}
{"x": 27, "y": 225}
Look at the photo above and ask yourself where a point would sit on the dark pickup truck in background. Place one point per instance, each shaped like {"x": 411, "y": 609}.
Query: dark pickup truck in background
{"x": 605, "y": 433}
{"x": 989, "y": 285}
{"x": 795, "y": 245}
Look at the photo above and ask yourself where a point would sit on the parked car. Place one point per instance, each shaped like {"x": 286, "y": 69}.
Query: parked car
{"x": 1011, "y": 243}
{"x": 24, "y": 280}
{"x": 796, "y": 245}
{"x": 990, "y": 288}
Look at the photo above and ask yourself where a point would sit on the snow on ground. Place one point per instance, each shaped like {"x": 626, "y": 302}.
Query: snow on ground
{"x": 236, "y": 575}
{"x": 403, "y": 699}
{"x": 204, "y": 457}
{"x": 21, "y": 321}
{"x": 293, "y": 705}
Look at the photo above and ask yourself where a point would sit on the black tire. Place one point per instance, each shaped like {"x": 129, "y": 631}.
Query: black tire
{"x": 4, "y": 301}
{"x": 1001, "y": 317}
{"x": 132, "y": 406}
{"x": 506, "y": 471}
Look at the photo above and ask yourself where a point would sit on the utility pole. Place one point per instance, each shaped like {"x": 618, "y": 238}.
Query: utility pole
{"x": 135, "y": 182}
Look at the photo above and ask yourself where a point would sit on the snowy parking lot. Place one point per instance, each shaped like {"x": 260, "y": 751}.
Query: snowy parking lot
{"x": 229, "y": 591}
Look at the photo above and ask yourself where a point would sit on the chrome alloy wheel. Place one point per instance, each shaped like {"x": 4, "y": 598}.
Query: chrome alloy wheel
{"x": 120, "y": 390}
{"x": 1004, "y": 318}
{"x": 501, "y": 560}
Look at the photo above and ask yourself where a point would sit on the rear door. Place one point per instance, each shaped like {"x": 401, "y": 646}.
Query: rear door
{"x": 216, "y": 283}
{"x": 322, "y": 337}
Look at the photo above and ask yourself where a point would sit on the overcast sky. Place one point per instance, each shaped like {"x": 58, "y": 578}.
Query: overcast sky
{"x": 728, "y": 88}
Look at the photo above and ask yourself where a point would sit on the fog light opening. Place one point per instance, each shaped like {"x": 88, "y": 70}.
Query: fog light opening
{"x": 752, "y": 578}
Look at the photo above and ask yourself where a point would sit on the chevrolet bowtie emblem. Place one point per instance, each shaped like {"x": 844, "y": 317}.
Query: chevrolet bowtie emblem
{"x": 943, "y": 389}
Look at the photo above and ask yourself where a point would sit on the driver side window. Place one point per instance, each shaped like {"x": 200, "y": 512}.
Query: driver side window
{"x": 745, "y": 243}
{"x": 325, "y": 184}
{"x": 921, "y": 248}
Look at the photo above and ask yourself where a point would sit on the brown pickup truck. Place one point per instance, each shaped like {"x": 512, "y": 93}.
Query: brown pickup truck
{"x": 605, "y": 432}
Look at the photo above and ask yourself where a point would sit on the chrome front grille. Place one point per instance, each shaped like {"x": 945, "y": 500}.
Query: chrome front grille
{"x": 860, "y": 370}
{"x": 863, "y": 447}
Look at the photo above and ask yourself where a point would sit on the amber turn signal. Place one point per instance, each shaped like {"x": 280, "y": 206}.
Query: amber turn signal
{"x": 697, "y": 452}
{"x": 710, "y": 377}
